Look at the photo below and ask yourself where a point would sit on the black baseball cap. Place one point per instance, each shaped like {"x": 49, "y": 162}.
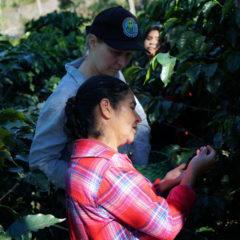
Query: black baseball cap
{"x": 118, "y": 28}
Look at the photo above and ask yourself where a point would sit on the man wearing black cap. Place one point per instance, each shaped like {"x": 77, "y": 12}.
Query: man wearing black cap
{"x": 112, "y": 38}
{"x": 118, "y": 28}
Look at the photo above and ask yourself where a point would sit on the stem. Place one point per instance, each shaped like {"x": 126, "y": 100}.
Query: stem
{"x": 9, "y": 191}
{"x": 60, "y": 227}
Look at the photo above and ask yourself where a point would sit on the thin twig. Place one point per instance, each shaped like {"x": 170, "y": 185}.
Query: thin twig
{"x": 60, "y": 227}
{"x": 234, "y": 191}
{"x": 200, "y": 108}
{"x": 9, "y": 191}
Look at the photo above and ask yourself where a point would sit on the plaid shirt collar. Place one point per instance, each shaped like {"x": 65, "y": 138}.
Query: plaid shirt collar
{"x": 84, "y": 148}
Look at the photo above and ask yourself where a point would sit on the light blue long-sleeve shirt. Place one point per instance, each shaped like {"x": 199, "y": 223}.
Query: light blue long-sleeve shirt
{"x": 51, "y": 148}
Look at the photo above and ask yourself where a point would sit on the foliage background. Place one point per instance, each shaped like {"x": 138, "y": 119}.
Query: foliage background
{"x": 190, "y": 93}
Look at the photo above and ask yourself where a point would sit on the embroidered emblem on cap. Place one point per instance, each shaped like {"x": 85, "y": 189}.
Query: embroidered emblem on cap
{"x": 130, "y": 27}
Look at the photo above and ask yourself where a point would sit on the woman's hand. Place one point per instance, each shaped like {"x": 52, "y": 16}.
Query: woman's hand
{"x": 199, "y": 164}
{"x": 203, "y": 160}
{"x": 172, "y": 178}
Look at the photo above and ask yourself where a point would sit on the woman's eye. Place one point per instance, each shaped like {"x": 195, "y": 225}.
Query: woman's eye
{"x": 133, "y": 107}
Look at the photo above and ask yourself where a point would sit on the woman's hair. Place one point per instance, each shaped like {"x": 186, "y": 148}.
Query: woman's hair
{"x": 151, "y": 28}
{"x": 80, "y": 110}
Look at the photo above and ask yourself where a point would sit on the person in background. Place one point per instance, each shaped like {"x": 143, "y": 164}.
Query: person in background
{"x": 111, "y": 39}
{"x": 107, "y": 198}
{"x": 152, "y": 40}
{"x": 154, "y": 43}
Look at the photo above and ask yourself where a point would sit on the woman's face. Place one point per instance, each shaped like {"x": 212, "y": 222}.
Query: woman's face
{"x": 125, "y": 120}
{"x": 151, "y": 42}
{"x": 106, "y": 60}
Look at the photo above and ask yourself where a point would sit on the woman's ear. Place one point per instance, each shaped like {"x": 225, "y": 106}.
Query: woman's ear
{"x": 105, "y": 108}
{"x": 92, "y": 41}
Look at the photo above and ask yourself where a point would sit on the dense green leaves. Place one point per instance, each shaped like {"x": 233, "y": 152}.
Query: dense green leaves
{"x": 49, "y": 43}
{"x": 200, "y": 102}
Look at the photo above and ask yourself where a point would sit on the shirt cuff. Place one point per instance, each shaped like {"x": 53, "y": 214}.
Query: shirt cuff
{"x": 155, "y": 187}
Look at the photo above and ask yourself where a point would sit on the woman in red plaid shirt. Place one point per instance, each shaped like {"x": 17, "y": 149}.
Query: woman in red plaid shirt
{"x": 107, "y": 198}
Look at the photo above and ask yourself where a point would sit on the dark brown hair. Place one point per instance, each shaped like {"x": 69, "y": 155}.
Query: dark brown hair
{"x": 80, "y": 117}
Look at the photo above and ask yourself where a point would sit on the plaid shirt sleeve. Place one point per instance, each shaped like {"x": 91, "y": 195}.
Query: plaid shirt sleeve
{"x": 128, "y": 196}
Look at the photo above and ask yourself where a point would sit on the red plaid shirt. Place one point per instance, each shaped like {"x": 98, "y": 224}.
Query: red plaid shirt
{"x": 107, "y": 198}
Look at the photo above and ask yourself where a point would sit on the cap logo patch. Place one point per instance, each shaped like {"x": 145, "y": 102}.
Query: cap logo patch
{"x": 130, "y": 27}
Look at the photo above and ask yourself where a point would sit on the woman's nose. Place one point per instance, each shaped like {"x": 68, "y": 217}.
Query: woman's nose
{"x": 138, "y": 118}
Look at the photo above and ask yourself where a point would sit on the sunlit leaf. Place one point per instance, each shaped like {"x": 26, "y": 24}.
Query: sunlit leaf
{"x": 208, "y": 6}
{"x": 205, "y": 229}
{"x": 168, "y": 62}
{"x": 31, "y": 223}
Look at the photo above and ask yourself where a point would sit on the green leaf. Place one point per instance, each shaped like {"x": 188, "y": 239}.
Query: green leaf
{"x": 31, "y": 223}
{"x": 154, "y": 170}
{"x": 233, "y": 61}
{"x": 163, "y": 58}
{"x": 174, "y": 34}
{"x": 130, "y": 72}
{"x": 208, "y": 6}
{"x": 148, "y": 75}
{"x": 9, "y": 212}
{"x": 227, "y": 7}
{"x": 218, "y": 140}
{"x": 16, "y": 170}
{"x": 205, "y": 229}
{"x": 198, "y": 41}
{"x": 185, "y": 40}
{"x": 232, "y": 36}
{"x": 193, "y": 72}
{"x": 3, "y": 235}
{"x": 4, "y": 154}
{"x": 237, "y": 16}
{"x": 168, "y": 62}
{"x": 8, "y": 115}
{"x": 213, "y": 84}
{"x": 154, "y": 115}
{"x": 153, "y": 63}
{"x": 22, "y": 158}
{"x": 38, "y": 179}
{"x": 3, "y": 134}
{"x": 15, "y": 124}
{"x": 209, "y": 69}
